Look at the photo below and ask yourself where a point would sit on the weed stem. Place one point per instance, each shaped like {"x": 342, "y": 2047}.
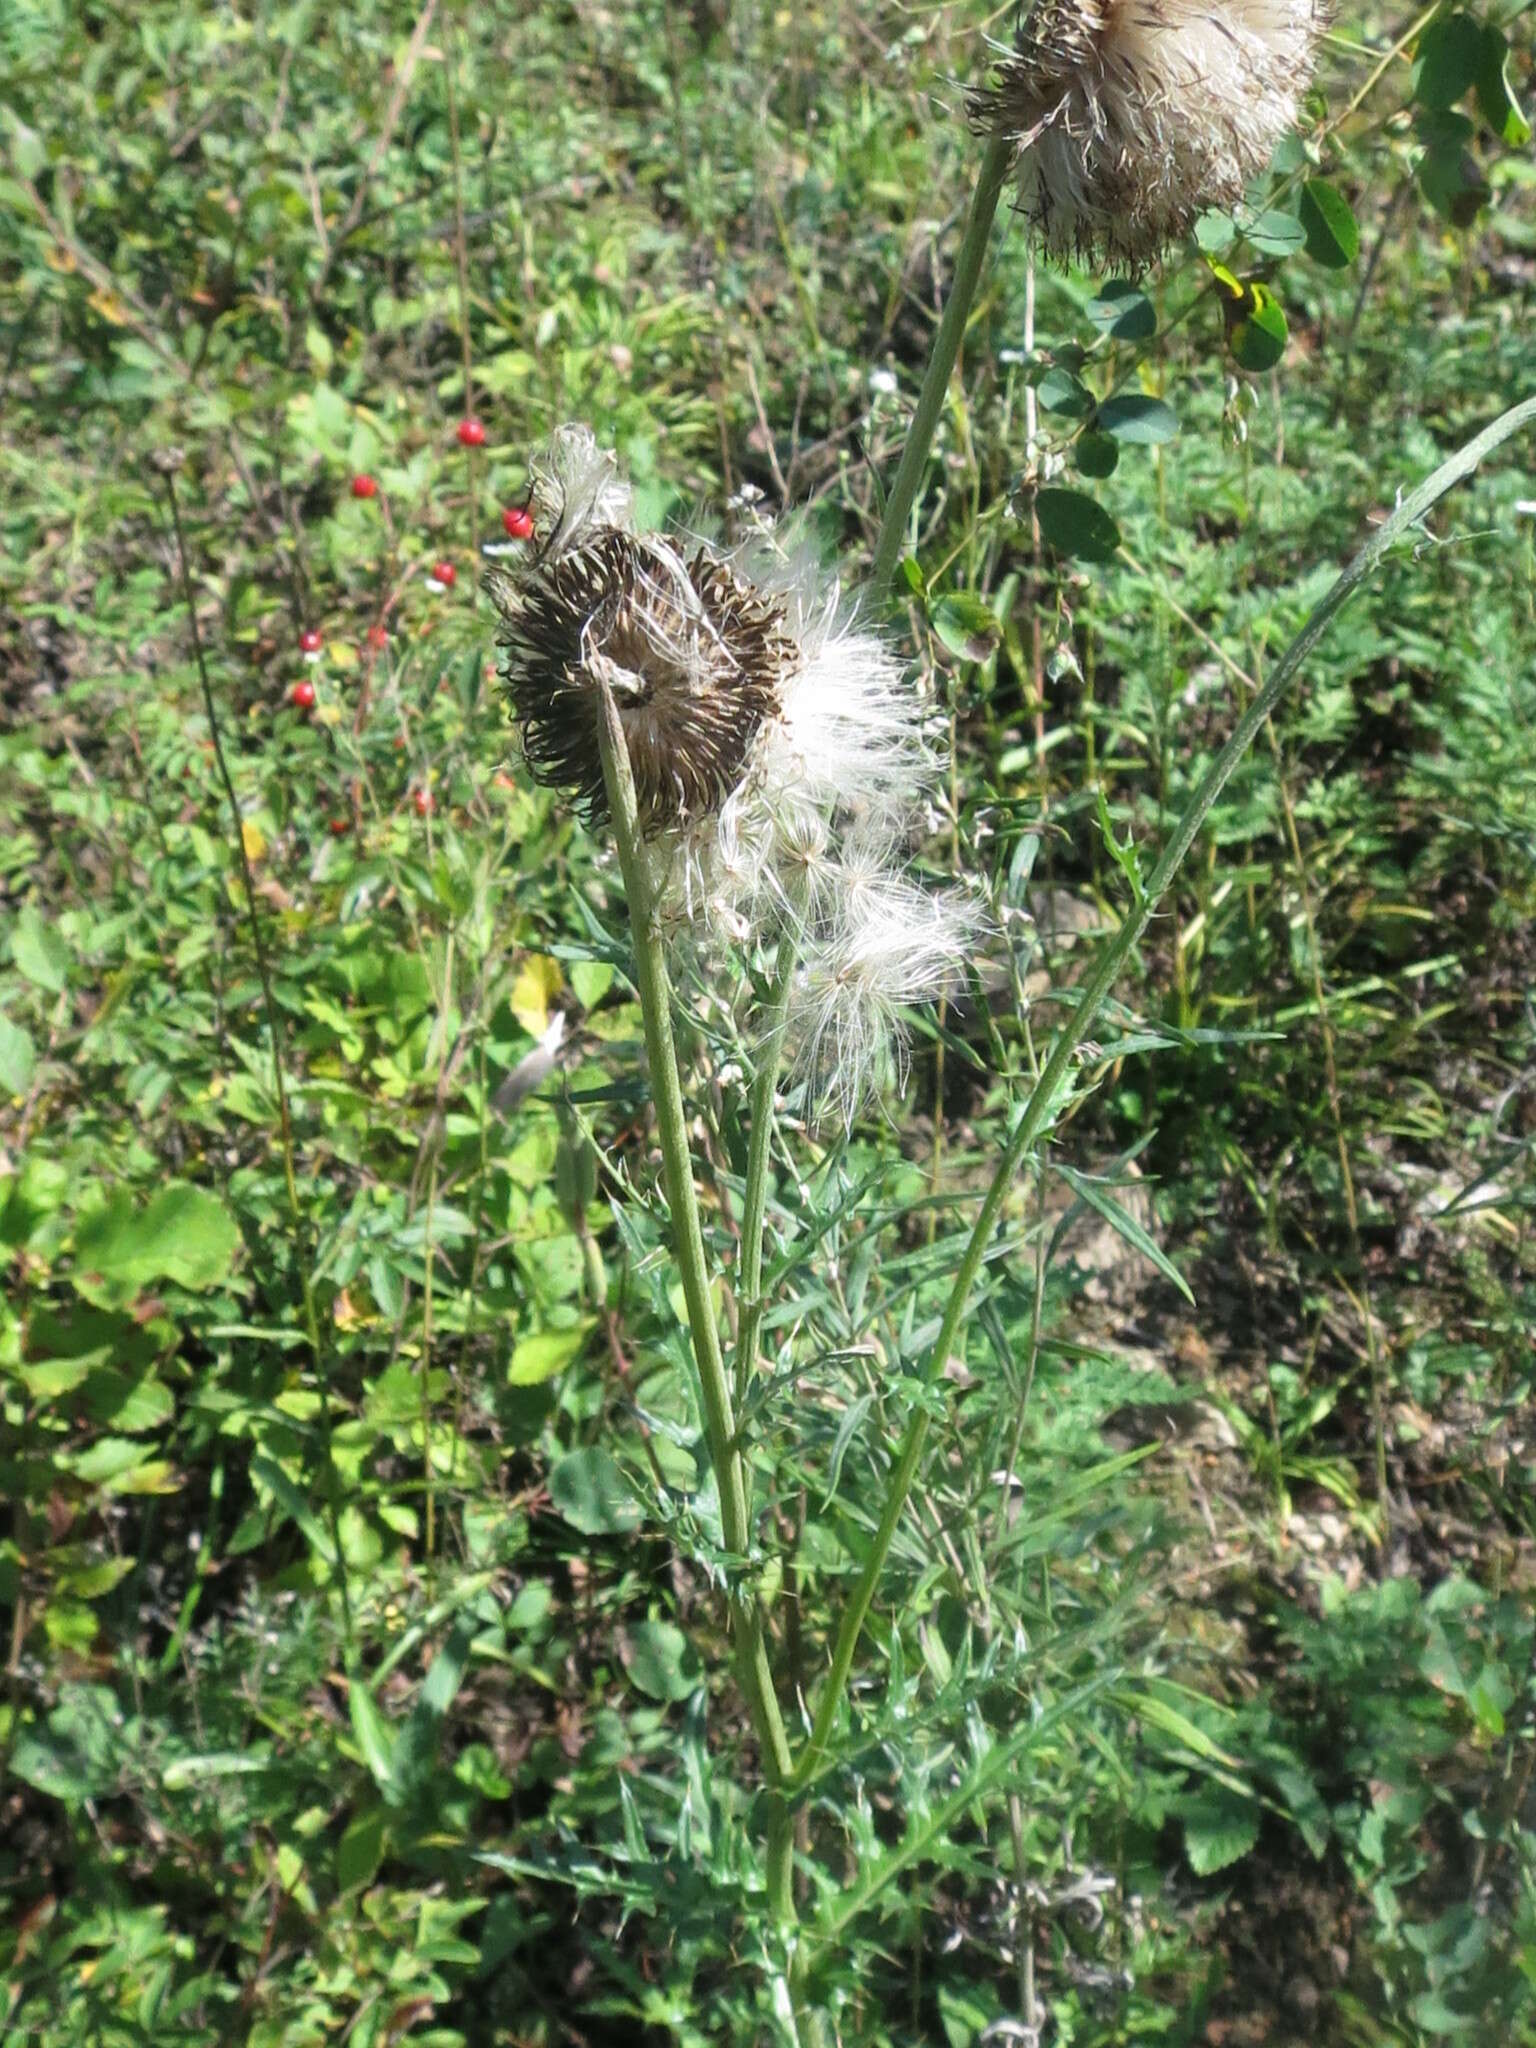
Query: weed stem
{"x": 725, "y": 1453}
{"x": 941, "y": 364}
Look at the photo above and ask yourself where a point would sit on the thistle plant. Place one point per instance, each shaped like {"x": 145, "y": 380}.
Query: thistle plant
{"x": 767, "y": 766}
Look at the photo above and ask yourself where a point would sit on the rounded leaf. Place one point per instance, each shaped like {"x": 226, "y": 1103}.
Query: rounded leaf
{"x": 663, "y": 1662}
{"x": 1143, "y": 422}
{"x": 1076, "y": 524}
{"x": 1333, "y": 234}
{"x": 591, "y": 1493}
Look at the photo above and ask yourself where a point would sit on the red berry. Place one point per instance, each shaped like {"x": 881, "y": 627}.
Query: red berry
{"x": 302, "y": 696}
{"x": 340, "y": 827}
{"x": 311, "y": 640}
{"x": 472, "y": 432}
{"x": 445, "y": 573}
{"x": 378, "y": 636}
{"x": 365, "y": 487}
{"x": 425, "y": 803}
{"x": 518, "y": 521}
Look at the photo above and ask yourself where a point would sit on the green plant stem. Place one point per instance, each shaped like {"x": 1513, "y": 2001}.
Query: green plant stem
{"x": 730, "y": 1469}
{"x": 1041, "y": 1103}
{"x": 759, "y": 1149}
{"x": 279, "y": 1081}
{"x": 941, "y": 364}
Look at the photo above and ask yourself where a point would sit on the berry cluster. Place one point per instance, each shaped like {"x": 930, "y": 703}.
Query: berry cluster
{"x": 442, "y": 577}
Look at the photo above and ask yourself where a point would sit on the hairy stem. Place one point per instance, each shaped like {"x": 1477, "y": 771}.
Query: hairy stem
{"x": 654, "y": 985}
{"x": 1041, "y": 1104}
{"x": 941, "y": 364}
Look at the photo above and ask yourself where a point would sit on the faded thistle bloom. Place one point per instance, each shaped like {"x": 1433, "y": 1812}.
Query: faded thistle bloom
{"x": 781, "y": 759}
{"x": 1134, "y": 116}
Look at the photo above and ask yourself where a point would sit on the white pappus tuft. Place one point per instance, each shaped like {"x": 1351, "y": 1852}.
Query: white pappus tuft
{"x": 886, "y": 943}
{"x": 1133, "y": 116}
{"x": 782, "y": 757}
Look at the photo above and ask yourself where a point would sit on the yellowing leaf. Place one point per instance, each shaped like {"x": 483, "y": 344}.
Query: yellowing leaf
{"x": 253, "y": 839}
{"x": 108, "y": 305}
{"x": 538, "y": 979}
{"x": 342, "y": 654}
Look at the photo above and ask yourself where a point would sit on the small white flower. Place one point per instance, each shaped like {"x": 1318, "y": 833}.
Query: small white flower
{"x": 883, "y": 383}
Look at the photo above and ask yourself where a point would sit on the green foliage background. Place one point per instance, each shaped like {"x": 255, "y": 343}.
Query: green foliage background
{"x": 374, "y": 1694}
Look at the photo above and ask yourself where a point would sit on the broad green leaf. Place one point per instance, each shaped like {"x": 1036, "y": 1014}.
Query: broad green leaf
{"x": 1214, "y": 232}
{"x": 38, "y": 952}
{"x": 1431, "y": 2011}
{"x": 108, "y": 1460}
{"x": 539, "y": 1358}
{"x": 1450, "y": 177}
{"x": 1495, "y": 96}
{"x": 1219, "y": 1827}
{"x": 1096, "y": 454}
{"x": 1333, "y": 234}
{"x": 1141, "y": 421}
{"x": 1076, "y": 524}
{"x": 591, "y": 981}
{"x": 592, "y": 1494}
{"x": 361, "y": 1848}
{"x": 18, "y": 1058}
{"x": 1450, "y": 56}
{"x": 1059, "y": 391}
{"x": 1123, "y": 311}
{"x": 1276, "y": 234}
{"x": 662, "y": 1661}
{"x": 375, "y": 1737}
{"x": 183, "y": 1234}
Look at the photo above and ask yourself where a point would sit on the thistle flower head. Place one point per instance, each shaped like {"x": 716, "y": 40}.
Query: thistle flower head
{"x": 693, "y": 655}
{"x": 1134, "y": 116}
{"x": 781, "y": 763}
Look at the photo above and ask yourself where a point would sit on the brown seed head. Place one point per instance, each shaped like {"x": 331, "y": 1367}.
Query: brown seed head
{"x": 694, "y": 656}
{"x": 1134, "y": 116}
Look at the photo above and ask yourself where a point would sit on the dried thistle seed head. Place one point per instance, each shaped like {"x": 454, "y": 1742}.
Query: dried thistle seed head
{"x": 1134, "y": 116}
{"x": 695, "y": 658}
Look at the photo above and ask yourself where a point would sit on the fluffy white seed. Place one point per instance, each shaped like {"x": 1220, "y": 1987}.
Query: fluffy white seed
{"x": 1134, "y": 116}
